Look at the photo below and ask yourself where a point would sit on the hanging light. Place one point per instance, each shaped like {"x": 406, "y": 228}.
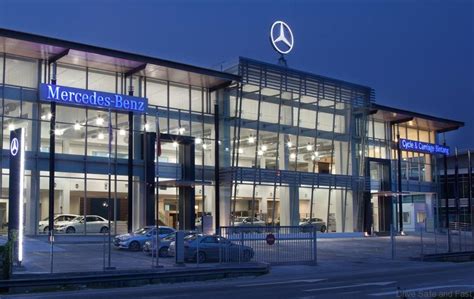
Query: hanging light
{"x": 122, "y": 132}
{"x": 309, "y": 147}
{"x": 204, "y": 146}
{"x": 198, "y": 140}
{"x": 289, "y": 144}
{"x": 175, "y": 144}
{"x": 251, "y": 140}
{"x": 101, "y": 136}
{"x": 59, "y": 132}
{"x": 11, "y": 127}
{"x": 182, "y": 130}
{"x": 77, "y": 126}
{"x": 264, "y": 148}
{"x": 260, "y": 153}
{"x": 146, "y": 126}
{"x": 292, "y": 156}
{"x": 43, "y": 117}
{"x": 241, "y": 150}
{"x": 316, "y": 154}
{"x": 49, "y": 115}
{"x": 313, "y": 157}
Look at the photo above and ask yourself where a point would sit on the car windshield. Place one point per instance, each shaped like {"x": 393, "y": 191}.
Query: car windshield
{"x": 142, "y": 231}
{"x": 169, "y": 237}
{"x": 78, "y": 218}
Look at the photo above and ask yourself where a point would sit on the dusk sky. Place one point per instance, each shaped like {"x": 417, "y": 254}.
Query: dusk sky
{"x": 417, "y": 55}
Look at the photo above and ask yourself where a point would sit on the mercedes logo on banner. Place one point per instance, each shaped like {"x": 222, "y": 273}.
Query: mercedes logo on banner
{"x": 282, "y": 37}
{"x": 14, "y": 147}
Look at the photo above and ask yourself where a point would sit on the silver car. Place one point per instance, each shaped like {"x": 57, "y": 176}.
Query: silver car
{"x": 93, "y": 223}
{"x": 307, "y": 223}
{"x": 149, "y": 248}
{"x": 59, "y": 219}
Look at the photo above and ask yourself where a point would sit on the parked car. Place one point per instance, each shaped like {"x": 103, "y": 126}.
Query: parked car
{"x": 244, "y": 224}
{"x": 59, "y": 219}
{"x": 95, "y": 224}
{"x": 149, "y": 247}
{"x": 135, "y": 240}
{"x": 211, "y": 248}
{"x": 306, "y": 224}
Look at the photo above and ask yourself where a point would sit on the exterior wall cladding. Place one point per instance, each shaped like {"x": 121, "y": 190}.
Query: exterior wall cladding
{"x": 291, "y": 145}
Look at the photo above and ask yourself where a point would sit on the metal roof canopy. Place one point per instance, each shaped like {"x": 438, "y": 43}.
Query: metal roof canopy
{"x": 41, "y": 47}
{"x": 425, "y": 121}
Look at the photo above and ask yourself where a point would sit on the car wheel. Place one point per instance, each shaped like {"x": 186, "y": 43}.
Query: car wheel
{"x": 247, "y": 255}
{"x": 70, "y": 230}
{"x": 201, "y": 257}
{"x": 104, "y": 230}
{"x": 323, "y": 228}
{"x": 134, "y": 246}
{"x": 46, "y": 229}
{"x": 163, "y": 252}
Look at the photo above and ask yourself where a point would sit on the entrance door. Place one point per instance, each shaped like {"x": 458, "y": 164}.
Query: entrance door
{"x": 379, "y": 173}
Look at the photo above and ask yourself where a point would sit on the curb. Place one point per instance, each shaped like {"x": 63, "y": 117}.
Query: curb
{"x": 61, "y": 281}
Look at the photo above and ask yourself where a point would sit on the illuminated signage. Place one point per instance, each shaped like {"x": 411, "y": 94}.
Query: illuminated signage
{"x": 90, "y": 98}
{"x": 281, "y": 37}
{"x": 423, "y": 147}
{"x": 15, "y": 191}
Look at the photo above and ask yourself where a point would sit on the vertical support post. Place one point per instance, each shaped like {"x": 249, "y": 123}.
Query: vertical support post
{"x": 130, "y": 163}
{"x": 445, "y": 162}
{"x": 456, "y": 193}
{"x": 52, "y": 160}
{"x": 216, "y": 166}
{"x": 400, "y": 197}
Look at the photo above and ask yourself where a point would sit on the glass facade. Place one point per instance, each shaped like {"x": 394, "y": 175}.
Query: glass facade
{"x": 291, "y": 145}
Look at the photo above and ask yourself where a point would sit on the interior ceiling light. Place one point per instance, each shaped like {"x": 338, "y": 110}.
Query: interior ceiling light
{"x": 77, "y": 126}
{"x": 99, "y": 121}
{"x": 264, "y": 148}
{"x": 122, "y": 132}
{"x": 204, "y": 146}
{"x": 289, "y": 144}
{"x": 198, "y": 140}
{"x": 309, "y": 147}
{"x": 251, "y": 140}
{"x": 175, "y": 144}
{"x": 260, "y": 153}
{"x": 292, "y": 156}
{"x": 101, "y": 136}
{"x": 181, "y": 130}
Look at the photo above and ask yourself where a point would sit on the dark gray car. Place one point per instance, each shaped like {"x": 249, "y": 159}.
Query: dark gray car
{"x": 206, "y": 248}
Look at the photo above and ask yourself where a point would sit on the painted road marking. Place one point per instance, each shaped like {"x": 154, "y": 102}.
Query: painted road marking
{"x": 282, "y": 282}
{"x": 382, "y": 283}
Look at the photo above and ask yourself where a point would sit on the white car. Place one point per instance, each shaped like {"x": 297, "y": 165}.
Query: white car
{"x": 95, "y": 224}
{"x": 59, "y": 219}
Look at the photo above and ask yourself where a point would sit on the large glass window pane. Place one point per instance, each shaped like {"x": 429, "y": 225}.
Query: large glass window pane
{"x": 157, "y": 93}
{"x": 179, "y": 96}
{"x": 21, "y": 72}
{"x": 101, "y": 81}
{"x": 71, "y": 76}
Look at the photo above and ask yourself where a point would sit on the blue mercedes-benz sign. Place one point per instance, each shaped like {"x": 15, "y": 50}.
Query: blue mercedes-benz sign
{"x": 97, "y": 99}
{"x": 423, "y": 147}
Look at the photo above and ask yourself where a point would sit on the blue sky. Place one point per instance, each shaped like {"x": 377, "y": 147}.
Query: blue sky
{"x": 417, "y": 55}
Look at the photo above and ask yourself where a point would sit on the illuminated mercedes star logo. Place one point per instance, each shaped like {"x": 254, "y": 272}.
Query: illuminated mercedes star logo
{"x": 14, "y": 147}
{"x": 282, "y": 37}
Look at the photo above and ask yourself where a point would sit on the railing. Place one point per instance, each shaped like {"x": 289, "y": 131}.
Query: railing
{"x": 271, "y": 244}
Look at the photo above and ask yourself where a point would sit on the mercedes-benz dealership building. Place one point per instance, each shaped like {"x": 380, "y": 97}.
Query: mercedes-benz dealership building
{"x": 139, "y": 140}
